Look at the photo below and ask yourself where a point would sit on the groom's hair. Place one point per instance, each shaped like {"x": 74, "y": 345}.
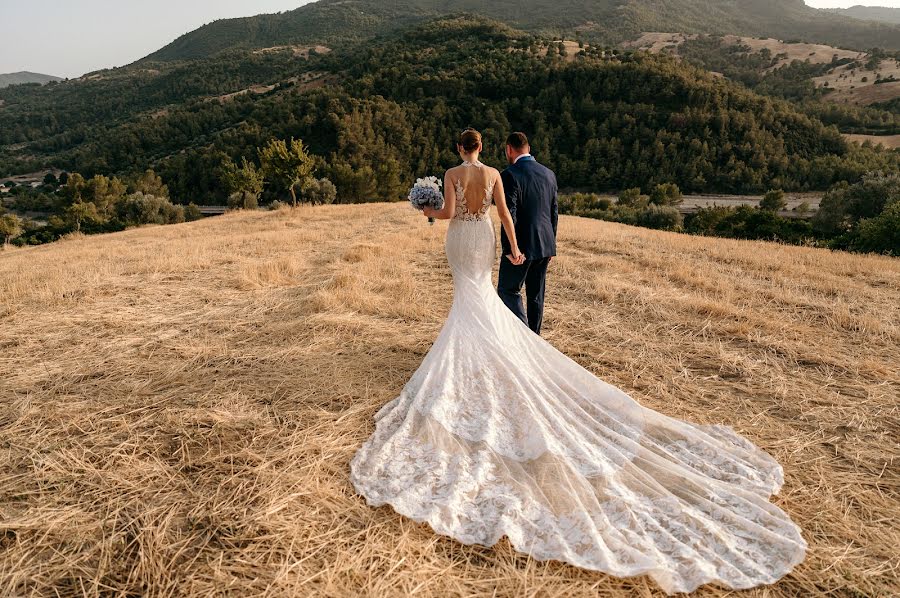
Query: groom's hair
{"x": 517, "y": 141}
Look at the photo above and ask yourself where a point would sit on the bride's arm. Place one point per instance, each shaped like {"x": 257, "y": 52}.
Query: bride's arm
{"x": 445, "y": 213}
{"x": 506, "y": 220}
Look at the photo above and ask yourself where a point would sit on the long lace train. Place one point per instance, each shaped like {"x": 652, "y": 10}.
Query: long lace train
{"x": 498, "y": 433}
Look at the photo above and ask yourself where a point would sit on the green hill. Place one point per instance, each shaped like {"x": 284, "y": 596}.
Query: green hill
{"x": 606, "y": 21}
{"x": 382, "y": 113}
{"x": 870, "y": 13}
{"x": 25, "y": 77}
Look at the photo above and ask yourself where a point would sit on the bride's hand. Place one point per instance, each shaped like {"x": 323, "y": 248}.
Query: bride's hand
{"x": 428, "y": 211}
{"x": 516, "y": 257}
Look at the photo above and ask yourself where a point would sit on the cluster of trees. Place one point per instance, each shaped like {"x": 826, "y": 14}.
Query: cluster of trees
{"x": 658, "y": 210}
{"x": 106, "y": 204}
{"x": 286, "y": 166}
{"x": 862, "y": 217}
{"x": 95, "y": 205}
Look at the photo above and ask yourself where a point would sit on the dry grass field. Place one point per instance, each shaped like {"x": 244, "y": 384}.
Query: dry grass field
{"x": 888, "y": 141}
{"x": 179, "y": 404}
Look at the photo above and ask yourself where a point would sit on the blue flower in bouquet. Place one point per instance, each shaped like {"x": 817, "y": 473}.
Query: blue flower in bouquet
{"x": 427, "y": 193}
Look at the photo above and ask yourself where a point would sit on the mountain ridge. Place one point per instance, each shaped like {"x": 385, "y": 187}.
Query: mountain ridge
{"x": 21, "y": 77}
{"x": 604, "y": 21}
{"x": 884, "y": 14}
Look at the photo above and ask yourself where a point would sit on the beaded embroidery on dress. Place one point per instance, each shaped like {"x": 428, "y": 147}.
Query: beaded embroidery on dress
{"x": 498, "y": 433}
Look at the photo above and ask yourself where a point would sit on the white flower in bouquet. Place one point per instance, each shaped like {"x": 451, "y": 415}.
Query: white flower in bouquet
{"x": 427, "y": 193}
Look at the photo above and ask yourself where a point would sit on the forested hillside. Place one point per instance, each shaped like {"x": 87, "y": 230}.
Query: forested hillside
{"x": 870, "y": 13}
{"x": 384, "y": 113}
{"x": 598, "y": 21}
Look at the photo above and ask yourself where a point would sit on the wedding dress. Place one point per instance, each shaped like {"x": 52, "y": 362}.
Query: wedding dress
{"x": 498, "y": 433}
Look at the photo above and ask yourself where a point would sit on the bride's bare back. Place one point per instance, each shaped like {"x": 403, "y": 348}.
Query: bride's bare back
{"x": 470, "y": 187}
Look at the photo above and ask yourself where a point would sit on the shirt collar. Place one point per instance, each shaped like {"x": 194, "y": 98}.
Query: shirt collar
{"x": 522, "y": 156}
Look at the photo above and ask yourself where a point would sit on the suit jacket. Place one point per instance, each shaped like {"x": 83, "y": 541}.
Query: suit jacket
{"x": 532, "y": 196}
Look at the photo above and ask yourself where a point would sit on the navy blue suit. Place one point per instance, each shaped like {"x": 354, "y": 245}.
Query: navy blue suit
{"x": 532, "y": 196}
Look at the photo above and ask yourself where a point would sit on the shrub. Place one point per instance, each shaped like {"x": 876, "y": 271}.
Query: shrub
{"x": 319, "y": 191}
{"x": 243, "y": 200}
{"x": 10, "y": 228}
{"x": 577, "y": 204}
{"x": 661, "y": 217}
{"x": 138, "y": 208}
{"x": 278, "y": 205}
{"x": 667, "y": 194}
{"x": 630, "y": 197}
{"x": 880, "y": 234}
{"x": 192, "y": 212}
{"x": 773, "y": 201}
{"x": 845, "y": 205}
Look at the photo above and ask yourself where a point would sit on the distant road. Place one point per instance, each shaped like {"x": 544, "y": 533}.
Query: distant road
{"x": 213, "y": 210}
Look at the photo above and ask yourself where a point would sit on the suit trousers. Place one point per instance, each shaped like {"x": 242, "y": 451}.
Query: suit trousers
{"x": 533, "y": 275}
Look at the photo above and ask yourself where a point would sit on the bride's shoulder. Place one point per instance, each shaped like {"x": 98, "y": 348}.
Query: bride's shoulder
{"x": 453, "y": 170}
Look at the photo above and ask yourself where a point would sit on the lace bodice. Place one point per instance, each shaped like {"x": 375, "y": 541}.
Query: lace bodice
{"x": 462, "y": 207}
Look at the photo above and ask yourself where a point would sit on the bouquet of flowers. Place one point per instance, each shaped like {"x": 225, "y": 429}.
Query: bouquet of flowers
{"x": 427, "y": 193}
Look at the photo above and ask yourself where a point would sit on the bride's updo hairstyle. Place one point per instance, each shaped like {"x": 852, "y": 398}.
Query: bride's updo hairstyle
{"x": 469, "y": 140}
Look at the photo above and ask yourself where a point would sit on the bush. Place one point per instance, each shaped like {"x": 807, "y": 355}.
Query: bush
{"x": 243, "y": 200}
{"x": 578, "y": 204}
{"x": 319, "y": 191}
{"x": 10, "y": 228}
{"x": 138, "y": 208}
{"x": 667, "y": 194}
{"x": 192, "y": 212}
{"x": 880, "y": 234}
{"x": 663, "y": 217}
{"x": 748, "y": 222}
{"x": 630, "y": 197}
{"x": 845, "y": 205}
{"x": 278, "y": 205}
{"x": 773, "y": 201}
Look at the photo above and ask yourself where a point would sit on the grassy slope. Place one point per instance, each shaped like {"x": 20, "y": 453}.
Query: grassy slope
{"x": 179, "y": 404}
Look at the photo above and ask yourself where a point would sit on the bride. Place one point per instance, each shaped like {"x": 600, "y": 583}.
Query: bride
{"x": 499, "y": 434}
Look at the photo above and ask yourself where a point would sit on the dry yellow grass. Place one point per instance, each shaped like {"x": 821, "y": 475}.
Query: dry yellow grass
{"x": 179, "y": 404}
{"x": 888, "y": 141}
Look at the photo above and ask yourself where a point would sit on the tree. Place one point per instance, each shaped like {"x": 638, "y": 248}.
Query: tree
{"x": 880, "y": 234}
{"x": 10, "y": 227}
{"x": 630, "y": 197}
{"x": 773, "y": 201}
{"x": 285, "y": 164}
{"x": 104, "y": 193}
{"x": 244, "y": 184}
{"x": 81, "y": 212}
{"x": 50, "y": 180}
{"x": 149, "y": 184}
{"x": 667, "y": 194}
{"x": 73, "y": 191}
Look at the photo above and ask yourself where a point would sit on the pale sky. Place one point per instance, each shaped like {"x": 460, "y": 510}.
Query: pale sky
{"x": 68, "y": 38}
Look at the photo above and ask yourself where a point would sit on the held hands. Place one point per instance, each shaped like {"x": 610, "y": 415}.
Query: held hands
{"x": 516, "y": 257}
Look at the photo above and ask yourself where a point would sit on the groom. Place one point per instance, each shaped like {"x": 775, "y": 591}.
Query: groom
{"x": 532, "y": 198}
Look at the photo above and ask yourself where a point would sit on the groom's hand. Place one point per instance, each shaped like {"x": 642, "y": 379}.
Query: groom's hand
{"x": 516, "y": 261}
